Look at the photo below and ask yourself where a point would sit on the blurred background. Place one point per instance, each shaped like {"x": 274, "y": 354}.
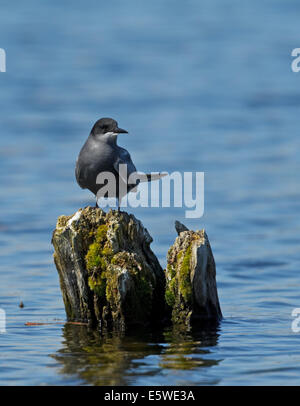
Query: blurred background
{"x": 200, "y": 86}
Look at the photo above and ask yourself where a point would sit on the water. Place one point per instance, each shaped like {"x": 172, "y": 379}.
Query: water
{"x": 201, "y": 86}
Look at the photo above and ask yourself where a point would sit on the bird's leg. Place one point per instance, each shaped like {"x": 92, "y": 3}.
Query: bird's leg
{"x": 97, "y": 204}
{"x": 118, "y": 200}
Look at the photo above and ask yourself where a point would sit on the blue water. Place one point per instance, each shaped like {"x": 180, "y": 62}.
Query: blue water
{"x": 201, "y": 86}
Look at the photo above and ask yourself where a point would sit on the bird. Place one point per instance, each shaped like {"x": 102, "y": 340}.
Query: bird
{"x": 101, "y": 154}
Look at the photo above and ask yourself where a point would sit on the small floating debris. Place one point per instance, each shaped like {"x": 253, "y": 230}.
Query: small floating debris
{"x": 21, "y": 304}
{"x": 29, "y": 323}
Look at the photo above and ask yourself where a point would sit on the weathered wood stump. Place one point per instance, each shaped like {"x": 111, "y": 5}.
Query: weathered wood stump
{"x": 108, "y": 272}
{"x": 191, "y": 289}
{"x": 110, "y": 276}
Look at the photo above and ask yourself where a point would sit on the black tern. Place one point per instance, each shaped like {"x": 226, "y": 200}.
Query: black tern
{"x": 100, "y": 153}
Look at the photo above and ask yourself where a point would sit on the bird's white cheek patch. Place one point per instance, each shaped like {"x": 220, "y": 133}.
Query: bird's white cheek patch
{"x": 109, "y": 136}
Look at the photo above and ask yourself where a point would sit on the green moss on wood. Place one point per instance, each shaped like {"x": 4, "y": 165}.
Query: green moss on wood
{"x": 97, "y": 259}
{"x": 103, "y": 268}
{"x": 171, "y": 288}
{"x": 170, "y": 295}
{"x": 185, "y": 285}
{"x": 137, "y": 302}
{"x": 98, "y": 284}
{"x": 179, "y": 288}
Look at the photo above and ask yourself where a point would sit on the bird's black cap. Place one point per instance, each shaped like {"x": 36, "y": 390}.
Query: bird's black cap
{"x": 105, "y": 125}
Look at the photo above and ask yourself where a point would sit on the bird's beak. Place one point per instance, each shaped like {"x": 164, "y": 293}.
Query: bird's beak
{"x": 121, "y": 131}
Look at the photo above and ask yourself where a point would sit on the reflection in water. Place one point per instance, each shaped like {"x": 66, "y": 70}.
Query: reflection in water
{"x": 185, "y": 350}
{"x": 118, "y": 358}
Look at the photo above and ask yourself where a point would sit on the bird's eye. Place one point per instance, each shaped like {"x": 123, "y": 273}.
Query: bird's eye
{"x": 104, "y": 128}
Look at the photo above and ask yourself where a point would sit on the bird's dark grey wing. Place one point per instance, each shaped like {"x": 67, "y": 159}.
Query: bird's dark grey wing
{"x": 124, "y": 158}
{"x": 80, "y": 174}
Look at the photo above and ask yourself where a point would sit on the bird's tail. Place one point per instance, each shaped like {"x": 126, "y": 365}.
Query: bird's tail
{"x": 148, "y": 177}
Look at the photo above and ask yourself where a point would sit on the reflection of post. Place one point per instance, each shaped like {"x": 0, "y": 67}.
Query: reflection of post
{"x": 187, "y": 351}
{"x": 2, "y": 321}
{"x": 101, "y": 359}
{"x": 122, "y": 359}
{"x": 2, "y": 60}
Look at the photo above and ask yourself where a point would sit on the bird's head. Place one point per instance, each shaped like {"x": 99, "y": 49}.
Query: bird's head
{"x": 107, "y": 128}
